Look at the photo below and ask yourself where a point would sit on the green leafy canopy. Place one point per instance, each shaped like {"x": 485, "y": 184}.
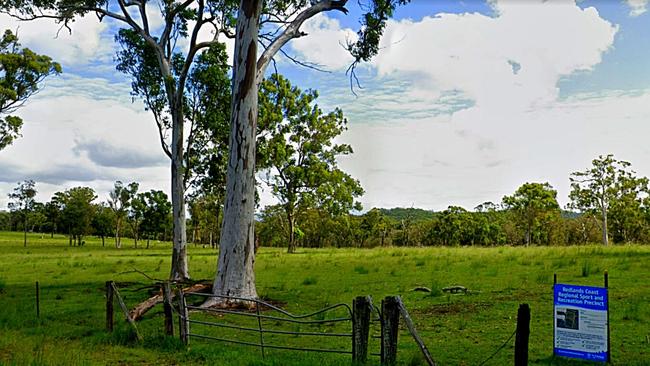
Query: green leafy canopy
{"x": 21, "y": 72}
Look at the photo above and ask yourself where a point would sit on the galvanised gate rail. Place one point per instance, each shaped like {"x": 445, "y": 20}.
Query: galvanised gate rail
{"x": 278, "y": 316}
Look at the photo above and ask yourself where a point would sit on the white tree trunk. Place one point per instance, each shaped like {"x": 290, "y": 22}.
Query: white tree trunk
{"x": 235, "y": 268}
{"x": 605, "y": 235}
{"x": 180, "y": 270}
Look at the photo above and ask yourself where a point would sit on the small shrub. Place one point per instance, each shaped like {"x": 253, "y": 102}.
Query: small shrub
{"x": 478, "y": 264}
{"x": 436, "y": 289}
{"x": 361, "y": 270}
{"x": 542, "y": 278}
{"x": 588, "y": 269}
{"x": 462, "y": 323}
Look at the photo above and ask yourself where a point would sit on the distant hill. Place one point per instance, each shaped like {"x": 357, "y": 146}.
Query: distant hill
{"x": 570, "y": 214}
{"x": 399, "y": 213}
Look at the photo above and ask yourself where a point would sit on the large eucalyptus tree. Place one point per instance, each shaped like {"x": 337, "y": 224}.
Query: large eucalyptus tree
{"x": 160, "y": 69}
{"x": 235, "y": 268}
{"x": 271, "y": 23}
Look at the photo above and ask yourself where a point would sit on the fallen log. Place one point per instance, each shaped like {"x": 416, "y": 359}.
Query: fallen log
{"x": 455, "y": 289}
{"x": 142, "y": 308}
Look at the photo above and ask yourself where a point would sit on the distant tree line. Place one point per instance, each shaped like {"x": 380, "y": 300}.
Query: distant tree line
{"x": 76, "y": 213}
{"x": 608, "y": 202}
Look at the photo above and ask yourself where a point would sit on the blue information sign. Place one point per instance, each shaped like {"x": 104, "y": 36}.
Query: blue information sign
{"x": 580, "y": 324}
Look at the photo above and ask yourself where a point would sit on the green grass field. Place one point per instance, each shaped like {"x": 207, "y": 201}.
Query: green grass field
{"x": 458, "y": 329}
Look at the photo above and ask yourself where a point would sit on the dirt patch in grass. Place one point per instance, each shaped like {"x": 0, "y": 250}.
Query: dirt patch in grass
{"x": 453, "y": 308}
{"x": 516, "y": 296}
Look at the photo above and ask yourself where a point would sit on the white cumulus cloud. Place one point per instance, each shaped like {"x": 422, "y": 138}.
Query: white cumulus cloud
{"x": 87, "y": 42}
{"x": 502, "y": 73}
{"x": 513, "y": 60}
{"x": 78, "y": 132}
{"x": 325, "y": 43}
{"x": 637, "y": 7}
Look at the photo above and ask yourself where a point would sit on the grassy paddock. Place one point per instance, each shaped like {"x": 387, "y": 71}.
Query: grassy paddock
{"x": 458, "y": 329}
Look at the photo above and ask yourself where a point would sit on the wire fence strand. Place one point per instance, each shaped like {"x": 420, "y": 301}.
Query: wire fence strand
{"x": 499, "y": 349}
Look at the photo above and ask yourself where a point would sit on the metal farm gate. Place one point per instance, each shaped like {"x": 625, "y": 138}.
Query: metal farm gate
{"x": 265, "y": 326}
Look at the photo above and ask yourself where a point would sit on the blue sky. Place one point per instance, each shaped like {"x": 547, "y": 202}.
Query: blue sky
{"x": 466, "y": 101}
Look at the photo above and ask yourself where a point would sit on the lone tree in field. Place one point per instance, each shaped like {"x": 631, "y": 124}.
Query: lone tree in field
{"x": 300, "y": 154}
{"x": 235, "y": 268}
{"x": 22, "y": 201}
{"x": 77, "y": 212}
{"x": 135, "y": 216}
{"x": 102, "y": 222}
{"x": 163, "y": 87}
{"x": 156, "y": 212}
{"x": 21, "y": 71}
{"x": 250, "y": 22}
{"x": 530, "y": 204}
{"x": 119, "y": 201}
{"x": 607, "y": 183}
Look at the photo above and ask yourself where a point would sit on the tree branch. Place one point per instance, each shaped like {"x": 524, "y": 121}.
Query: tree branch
{"x": 169, "y": 20}
{"x": 143, "y": 15}
{"x": 193, "y": 47}
{"x": 293, "y": 31}
{"x": 128, "y": 19}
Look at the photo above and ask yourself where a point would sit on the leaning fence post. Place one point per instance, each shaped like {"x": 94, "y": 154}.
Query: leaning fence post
{"x": 184, "y": 320}
{"x": 389, "y": 330}
{"x": 109, "y": 306}
{"x": 167, "y": 306}
{"x": 361, "y": 309}
{"x": 126, "y": 311}
{"x": 523, "y": 333}
{"x": 411, "y": 327}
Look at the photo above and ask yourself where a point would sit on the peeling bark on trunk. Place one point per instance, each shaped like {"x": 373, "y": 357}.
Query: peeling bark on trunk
{"x": 215, "y": 228}
{"x": 292, "y": 234}
{"x": 605, "y": 234}
{"x": 118, "y": 239}
{"x": 235, "y": 269}
{"x": 180, "y": 270}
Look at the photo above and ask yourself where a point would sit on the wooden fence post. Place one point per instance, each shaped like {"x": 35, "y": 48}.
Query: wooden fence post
{"x": 361, "y": 309}
{"x": 411, "y": 327}
{"x": 523, "y": 333}
{"x": 167, "y": 306}
{"x": 184, "y": 320}
{"x": 109, "y": 306}
{"x": 38, "y": 301}
{"x": 125, "y": 310}
{"x": 389, "y": 330}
